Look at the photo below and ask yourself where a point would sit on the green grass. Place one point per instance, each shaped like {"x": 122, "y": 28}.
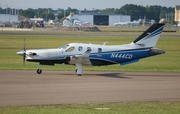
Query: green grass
{"x": 10, "y": 44}
{"x": 105, "y": 108}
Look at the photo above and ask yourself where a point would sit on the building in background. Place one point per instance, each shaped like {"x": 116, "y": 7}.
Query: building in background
{"x": 94, "y": 19}
{"x": 7, "y": 18}
{"x": 177, "y": 14}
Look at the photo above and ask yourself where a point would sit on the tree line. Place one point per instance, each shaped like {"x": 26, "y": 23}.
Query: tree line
{"x": 155, "y": 12}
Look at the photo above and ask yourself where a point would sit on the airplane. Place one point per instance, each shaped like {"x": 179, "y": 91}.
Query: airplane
{"x": 136, "y": 23}
{"x": 129, "y": 23}
{"x": 80, "y": 54}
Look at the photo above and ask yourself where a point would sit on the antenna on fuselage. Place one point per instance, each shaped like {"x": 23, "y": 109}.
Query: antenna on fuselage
{"x": 104, "y": 43}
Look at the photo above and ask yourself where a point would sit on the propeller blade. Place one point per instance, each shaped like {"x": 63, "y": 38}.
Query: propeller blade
{"x": 24, "y": 54}
{"x": 24, "y": 45}
{"x": 24, "y": 60}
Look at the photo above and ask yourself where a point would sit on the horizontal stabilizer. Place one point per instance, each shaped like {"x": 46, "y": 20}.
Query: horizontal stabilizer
{"x": 156, "y": 51}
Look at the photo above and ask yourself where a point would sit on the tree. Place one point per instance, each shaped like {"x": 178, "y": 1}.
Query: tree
{"x": 51, "y": 16}
{"x": 27, "y": 13}
{"x": 153, "y": 12}
{"x": 135, "y": 11}
{"x": 60, "y": 15}
{"x": 45, "y": 13}
{"x": 108, "y": 11}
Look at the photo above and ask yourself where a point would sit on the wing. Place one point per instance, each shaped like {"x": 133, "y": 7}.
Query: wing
{"x": 81, "y": 58}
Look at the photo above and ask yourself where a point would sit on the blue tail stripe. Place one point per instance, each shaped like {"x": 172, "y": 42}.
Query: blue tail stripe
{"x": 158, "y": 31}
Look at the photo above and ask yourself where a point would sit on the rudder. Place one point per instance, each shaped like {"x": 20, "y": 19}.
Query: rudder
{"x": 150, "y": 37}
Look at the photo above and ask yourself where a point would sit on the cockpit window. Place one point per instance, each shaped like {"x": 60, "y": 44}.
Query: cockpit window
{"x": 64, "y": 47}
{"x": 70, "y": 49}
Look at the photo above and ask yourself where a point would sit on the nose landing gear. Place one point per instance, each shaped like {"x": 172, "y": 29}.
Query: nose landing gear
{"x": 39, "y": 71}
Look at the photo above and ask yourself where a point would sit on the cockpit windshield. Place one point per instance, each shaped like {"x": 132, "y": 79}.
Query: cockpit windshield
{"x": 64, "y": 46}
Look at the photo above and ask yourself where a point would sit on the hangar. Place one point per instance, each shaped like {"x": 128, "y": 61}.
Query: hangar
{"x": 5, "y": 18}
{"x": 109, "y": 20}
{"x": 98, "y": 19}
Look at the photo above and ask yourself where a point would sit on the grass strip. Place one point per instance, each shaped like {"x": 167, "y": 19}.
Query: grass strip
{"x": 101, "y": 108}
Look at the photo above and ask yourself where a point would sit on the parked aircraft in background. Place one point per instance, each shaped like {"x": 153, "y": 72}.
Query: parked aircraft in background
{"x": 75, "y": 23}
{"x": 129, "y": 23}
{"x": 81, "y": 54}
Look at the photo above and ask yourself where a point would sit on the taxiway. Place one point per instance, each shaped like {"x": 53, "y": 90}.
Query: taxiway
{"x": 64, "y": 87}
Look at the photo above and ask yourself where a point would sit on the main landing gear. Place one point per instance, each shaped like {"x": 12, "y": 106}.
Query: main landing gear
{"x": 39, "y": 71}
{"x": 79, "y": 70}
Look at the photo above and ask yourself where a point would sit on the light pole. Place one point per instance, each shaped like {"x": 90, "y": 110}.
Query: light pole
{"x": 0, "y": 7}
{"x": 64, "y": 13}
{"x": 46, "y": 14}
{"x": 9, "y": 14}
{"x": 6, "y": 8}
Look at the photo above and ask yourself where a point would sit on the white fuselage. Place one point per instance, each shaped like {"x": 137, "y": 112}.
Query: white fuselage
{"x": 72, "y": 50}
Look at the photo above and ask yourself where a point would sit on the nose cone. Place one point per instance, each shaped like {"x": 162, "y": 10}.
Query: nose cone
{"x": 21, "y": 53}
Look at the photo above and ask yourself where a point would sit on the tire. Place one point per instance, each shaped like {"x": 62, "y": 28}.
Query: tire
{"x": 39, "y": 71}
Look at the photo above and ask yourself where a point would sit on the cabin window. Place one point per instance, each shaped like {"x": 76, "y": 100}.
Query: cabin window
{"x": 80, "y": 48}
{"x": 70, "y": 49}
{"x": 88, "y": 48}
{"x": 99, "y": 50}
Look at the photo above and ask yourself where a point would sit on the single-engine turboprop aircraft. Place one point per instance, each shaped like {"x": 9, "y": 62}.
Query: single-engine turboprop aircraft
{"x": 80, "y": 54}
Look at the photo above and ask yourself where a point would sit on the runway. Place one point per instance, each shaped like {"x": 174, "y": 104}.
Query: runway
{"x": 64, "y": 87}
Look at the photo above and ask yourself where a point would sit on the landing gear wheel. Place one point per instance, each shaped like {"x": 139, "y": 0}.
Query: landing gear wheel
{"x": 76, "y": 70}
{"x": 39, "y": 71}
{"x": 79, "y": 74}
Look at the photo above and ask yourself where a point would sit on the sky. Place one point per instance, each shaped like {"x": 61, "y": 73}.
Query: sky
{"x": 81, "y": 4}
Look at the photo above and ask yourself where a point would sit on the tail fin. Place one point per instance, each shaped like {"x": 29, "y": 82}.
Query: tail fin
{"x": 150, "y": 37}
{"x": 139, "y": 21}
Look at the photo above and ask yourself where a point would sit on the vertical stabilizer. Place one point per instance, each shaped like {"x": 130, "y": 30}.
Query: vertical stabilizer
{"x": 150, "y": 37}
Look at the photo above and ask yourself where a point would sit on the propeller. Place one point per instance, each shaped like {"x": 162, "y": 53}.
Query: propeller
{"x": 24, "y": 52}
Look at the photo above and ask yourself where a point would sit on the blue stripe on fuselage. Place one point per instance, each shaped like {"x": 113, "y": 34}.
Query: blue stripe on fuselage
{"x": 120, "y": 56}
